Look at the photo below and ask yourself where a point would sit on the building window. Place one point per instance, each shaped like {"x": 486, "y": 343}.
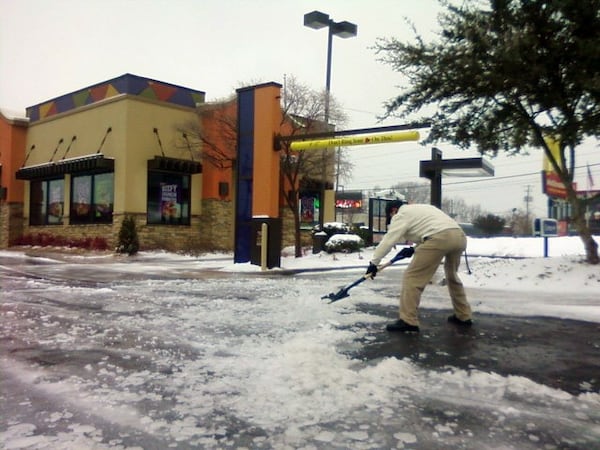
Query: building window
{"x": 168, "y": 198}
{"x": 46, "y": 205}
{"x": 92, "y": 198}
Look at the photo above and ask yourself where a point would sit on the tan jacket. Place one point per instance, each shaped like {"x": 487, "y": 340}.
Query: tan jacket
{"x": 413, "y": 223}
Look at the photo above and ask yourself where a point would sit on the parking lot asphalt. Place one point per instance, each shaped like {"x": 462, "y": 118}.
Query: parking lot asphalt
{"x": 563, "y": 354}
{"x": 560, "y": 353}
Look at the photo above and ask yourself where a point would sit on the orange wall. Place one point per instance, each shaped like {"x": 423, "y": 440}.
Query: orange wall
{"x": 267, "y": 105}
{"x": 217, "y": 126}
{"x": 13, "y": 134}
{"x": 267, "y": 113}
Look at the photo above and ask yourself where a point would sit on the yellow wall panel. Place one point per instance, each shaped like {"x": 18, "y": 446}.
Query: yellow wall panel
{"x": 131, "y": 142}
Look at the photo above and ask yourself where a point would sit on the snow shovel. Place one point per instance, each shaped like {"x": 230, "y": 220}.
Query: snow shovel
{"x": 406, "y": 252}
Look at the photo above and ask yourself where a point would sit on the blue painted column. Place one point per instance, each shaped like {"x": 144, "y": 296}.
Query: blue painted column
{"x": 244, "y": 171}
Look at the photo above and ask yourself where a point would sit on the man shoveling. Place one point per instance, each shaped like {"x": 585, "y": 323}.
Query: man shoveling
{"x": 438, "y": 237}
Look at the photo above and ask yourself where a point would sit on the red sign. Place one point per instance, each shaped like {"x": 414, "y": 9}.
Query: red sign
{"x": 552, "y": 185}
{"x": 348, "y": 204}
{"x": 563, "y": 228}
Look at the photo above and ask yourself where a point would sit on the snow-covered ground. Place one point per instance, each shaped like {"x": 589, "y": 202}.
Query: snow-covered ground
{"x": 169, "y": 351}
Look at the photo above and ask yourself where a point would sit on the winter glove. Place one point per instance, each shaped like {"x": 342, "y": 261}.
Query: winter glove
{"x": 407, "y": 252}
{"x": 371, "y": 271}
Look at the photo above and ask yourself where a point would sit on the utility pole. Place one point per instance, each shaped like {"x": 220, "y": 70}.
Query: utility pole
{"x": 528, "y": 199}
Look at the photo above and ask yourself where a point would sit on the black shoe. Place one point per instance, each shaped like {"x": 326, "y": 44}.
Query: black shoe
{"x": 401, "y": 326}
{"x": 455, "y": 320}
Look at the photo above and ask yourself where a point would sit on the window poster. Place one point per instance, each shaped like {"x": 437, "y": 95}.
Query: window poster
{"x": 55, "y": 201}
{"x": 168, "y": 198}
{"x": 103, "y": 196}
{"x": 309, "y": 210}
{"x": 170, "y": 204}
{"x": 82, "y": 196}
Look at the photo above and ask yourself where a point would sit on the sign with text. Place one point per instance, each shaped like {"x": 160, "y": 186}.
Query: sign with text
{"x": 545, "y": 227}
{"x": 384, "y": 138}
{"x": 553, "y": 186}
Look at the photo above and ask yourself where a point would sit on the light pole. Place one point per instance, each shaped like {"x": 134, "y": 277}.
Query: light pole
{"x": 317, "y": 20}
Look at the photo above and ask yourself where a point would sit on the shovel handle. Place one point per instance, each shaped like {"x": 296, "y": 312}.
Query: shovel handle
{"x": 343, "y": 293}
{"x": 398, "y": 257}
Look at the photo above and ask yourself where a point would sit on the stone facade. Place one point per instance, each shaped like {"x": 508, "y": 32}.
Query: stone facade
{"x": 75, "y": 233}
{"x": 175, "y": 238}
{"x": 11, "y": 223}
{"x": 216, "y": 227}
{"x": 200, "y": 236}
{"x": 288, "y": 230}
{"x": 210, "y": 231}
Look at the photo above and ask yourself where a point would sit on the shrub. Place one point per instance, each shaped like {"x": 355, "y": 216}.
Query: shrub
{"x": 51, "y": 240}
{"x": 363, "y": 233}
{"x": 344, "y": 243}
{"x": 332, "y": 228}
{"x": 340, "y": 237}
{"x": 99, "y": 243}
{"x": 490, "y": 224}
{"x": 128, "y": 237}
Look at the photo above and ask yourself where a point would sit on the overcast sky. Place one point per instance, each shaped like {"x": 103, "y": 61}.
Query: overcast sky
{"x": 50, "y": 48}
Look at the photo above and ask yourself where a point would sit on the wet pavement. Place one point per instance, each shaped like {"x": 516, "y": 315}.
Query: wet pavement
{"x": 563, "y": 354}
{"x": 164, "y": 356}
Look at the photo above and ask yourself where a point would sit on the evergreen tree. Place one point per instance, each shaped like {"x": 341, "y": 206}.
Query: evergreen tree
{"x": 508, "y": 75}
{"x": 490, "y": 225}
{"x": 128, "y": 237}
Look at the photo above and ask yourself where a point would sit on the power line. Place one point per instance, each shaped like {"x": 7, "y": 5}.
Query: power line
{"x": 506, "y": 177}
{"x": 406, "y": 160}
{"x": 488, "y": 179}
{"x": 511, "y": 176}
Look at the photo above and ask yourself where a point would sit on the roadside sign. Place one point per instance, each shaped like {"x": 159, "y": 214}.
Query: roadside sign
{"x": 545, "y": 227}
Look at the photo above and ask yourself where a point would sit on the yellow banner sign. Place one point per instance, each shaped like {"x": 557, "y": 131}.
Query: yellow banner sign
{"x": 383, "y": 138}
{"x": 554, "y": 147}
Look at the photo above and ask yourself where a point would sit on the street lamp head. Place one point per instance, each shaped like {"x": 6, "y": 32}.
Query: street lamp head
{"x": 316, "y": 20}
{"x": 344, "y": 29}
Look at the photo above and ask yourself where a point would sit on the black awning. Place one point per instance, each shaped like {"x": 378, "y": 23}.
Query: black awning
{"x": 91, "y": 163}
{"x": 174, "y": 165}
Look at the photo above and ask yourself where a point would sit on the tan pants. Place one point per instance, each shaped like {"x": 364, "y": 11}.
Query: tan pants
{"x": 448, "y": 244}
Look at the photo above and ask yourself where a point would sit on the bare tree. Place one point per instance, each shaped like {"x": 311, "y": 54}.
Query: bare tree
{"x": 457, "y": 208}
{"x": 213, "y": 137}
{"x": 414, "y": 192}
{"x": 304, "y": 113}
{"x": 519, "y": 222}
